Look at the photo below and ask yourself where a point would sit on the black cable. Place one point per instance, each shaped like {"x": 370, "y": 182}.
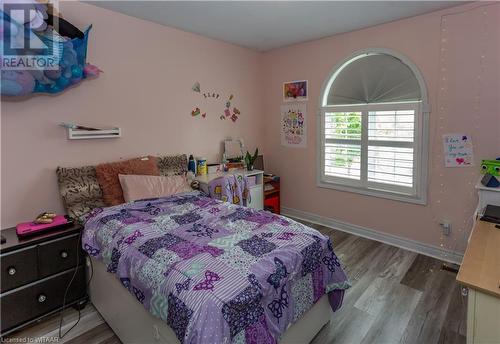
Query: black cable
{"x": 69, "y": 285}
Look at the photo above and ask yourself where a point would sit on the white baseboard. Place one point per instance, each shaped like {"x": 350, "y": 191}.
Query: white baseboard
{"x": 407, "y": 244}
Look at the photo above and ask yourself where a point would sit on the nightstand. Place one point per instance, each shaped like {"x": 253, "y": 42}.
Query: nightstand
{"x": 35, "y": 274}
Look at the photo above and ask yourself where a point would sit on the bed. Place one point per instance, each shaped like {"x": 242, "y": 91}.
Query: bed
{"x": 190, "y": 269}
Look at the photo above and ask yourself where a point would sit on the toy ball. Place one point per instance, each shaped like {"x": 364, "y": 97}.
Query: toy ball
{"x": 53, "y": 74}
{"x": 55, "y": 88}
{"x": 69, "y": 55}
{"x": 63, "y": 82}
{"x": 40, "y": 88}
{"x": 76, "y": 72}
{"x": 75, "y": 80}
{"x": 17, "y": 83}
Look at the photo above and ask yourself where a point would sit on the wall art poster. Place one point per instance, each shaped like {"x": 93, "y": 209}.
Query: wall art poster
{"x": 458, "y": 150}
{"x": 295, "y": 91}
{"x": 293, "y": 125}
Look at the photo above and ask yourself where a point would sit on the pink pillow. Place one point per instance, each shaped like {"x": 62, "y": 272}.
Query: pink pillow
{"x": 137, "y": 187}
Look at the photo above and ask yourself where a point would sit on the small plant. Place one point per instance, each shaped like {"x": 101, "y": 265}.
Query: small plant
{"x": 250, "y": 159}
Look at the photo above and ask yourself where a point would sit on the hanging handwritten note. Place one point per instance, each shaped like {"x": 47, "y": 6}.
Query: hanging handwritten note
{"x": 458, "y": 150}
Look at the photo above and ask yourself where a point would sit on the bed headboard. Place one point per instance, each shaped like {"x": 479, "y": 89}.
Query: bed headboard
{"x": 81, "y": 192}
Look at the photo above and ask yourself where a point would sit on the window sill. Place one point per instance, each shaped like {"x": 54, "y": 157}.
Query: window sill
{"x": 374, "y": 193}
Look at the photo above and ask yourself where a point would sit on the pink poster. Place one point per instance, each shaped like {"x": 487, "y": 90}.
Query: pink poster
{"x": 293, "y": 125}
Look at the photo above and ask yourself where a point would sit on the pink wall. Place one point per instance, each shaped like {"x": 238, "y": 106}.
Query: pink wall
{"x": 149, "y": 71}
{"x": 451, "y": 191}
{"x": 145, "y": 89}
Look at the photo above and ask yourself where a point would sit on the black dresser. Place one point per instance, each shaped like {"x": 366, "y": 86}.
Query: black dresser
{"x": 35, "y": 274}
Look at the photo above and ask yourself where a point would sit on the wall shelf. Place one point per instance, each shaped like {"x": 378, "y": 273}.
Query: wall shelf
{"x": 79, "y": 134}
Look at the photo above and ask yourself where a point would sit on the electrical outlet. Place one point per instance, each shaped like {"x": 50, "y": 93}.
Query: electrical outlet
{"x": 446, "y": 227}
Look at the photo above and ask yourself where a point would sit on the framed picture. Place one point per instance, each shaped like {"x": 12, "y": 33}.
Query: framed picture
{"x": 295, "y": 91}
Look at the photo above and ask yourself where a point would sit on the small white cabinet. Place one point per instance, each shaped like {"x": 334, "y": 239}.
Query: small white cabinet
{"x": 486, "y": 196}
{"x": 256, "y": 188}
{"x": 483, "y": 318}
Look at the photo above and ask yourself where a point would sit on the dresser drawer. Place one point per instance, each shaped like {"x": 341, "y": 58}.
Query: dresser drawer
{"x": 36, "y": 299}
{"x": 18, "y": 268}
{"x": 58, "y": 255}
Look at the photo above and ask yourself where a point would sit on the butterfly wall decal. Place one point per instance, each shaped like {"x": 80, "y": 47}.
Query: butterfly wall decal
{"x": 280, "y": 273}
{"x": 208, "y": 283}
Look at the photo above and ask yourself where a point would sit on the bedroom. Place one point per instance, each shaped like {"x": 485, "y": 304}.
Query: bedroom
{"x": 391, "y": 239}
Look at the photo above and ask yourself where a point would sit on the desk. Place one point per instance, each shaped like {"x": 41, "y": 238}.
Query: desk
{"x": 256, "y": 190}
{"x": 480, "y": 272}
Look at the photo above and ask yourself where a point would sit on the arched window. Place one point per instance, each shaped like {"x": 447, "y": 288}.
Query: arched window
{"x": 373, "y": 127}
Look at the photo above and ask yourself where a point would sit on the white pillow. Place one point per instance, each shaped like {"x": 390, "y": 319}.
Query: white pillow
{"x": 137, "y": 187}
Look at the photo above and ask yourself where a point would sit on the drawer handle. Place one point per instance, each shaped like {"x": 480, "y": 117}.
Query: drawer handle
{"x": 64, "y": 254}
{"x": 11, "y": 271}
{"x": 42, "y": 298}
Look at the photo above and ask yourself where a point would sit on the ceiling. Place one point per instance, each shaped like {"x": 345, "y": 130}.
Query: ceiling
{"x": 266, "y": 25}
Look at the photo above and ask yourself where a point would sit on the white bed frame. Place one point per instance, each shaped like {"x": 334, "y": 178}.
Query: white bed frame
{"x": 133, "y": 324}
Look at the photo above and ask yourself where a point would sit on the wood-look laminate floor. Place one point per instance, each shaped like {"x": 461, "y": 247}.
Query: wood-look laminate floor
{"x": 397, "y": 296}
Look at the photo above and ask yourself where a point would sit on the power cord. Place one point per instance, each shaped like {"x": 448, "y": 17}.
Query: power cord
{"x": 61, "y": 335}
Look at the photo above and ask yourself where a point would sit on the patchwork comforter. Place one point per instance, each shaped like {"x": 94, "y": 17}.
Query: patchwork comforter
{"x": 215, "y": 272}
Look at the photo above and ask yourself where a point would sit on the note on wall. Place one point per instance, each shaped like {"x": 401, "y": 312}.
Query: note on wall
{"x": 458, "y": 150}
{"x": 293, "y": 125}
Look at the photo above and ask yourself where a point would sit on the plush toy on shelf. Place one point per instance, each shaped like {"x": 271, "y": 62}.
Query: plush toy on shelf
{"x": 491, "y": 170}
{"x": 491, "y": 167}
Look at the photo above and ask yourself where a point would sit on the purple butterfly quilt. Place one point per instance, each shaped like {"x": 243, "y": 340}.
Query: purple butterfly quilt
{"x": 215, "y": 272}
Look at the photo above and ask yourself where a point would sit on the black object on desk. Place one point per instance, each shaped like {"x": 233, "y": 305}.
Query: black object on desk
{"x": 35, "y": 273}
{"x": 491, "y": 214}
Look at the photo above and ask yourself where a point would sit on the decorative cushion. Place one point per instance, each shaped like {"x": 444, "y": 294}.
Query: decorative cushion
{"x": 172, "y": 164}
{"x": 107, "y": 175}
{"x": 141, "y": 187}
{"x": 79, "y": 189}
